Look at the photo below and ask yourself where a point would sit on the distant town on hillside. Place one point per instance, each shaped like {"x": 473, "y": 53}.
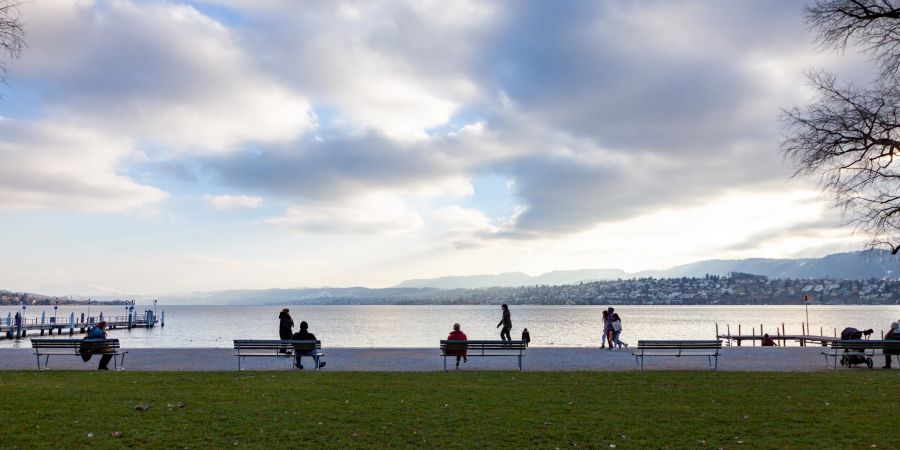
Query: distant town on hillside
{"x": 842, "y": 278}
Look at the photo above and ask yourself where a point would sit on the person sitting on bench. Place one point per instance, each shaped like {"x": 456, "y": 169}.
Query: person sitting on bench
{"x": 98, "y": 332}
{"x": 458, "y": 350}
{"x": 893, "y": 334}
{"x": 304, "y": 335}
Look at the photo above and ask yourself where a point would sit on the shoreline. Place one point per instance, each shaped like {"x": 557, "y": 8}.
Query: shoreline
{"x": 536, "y": 359}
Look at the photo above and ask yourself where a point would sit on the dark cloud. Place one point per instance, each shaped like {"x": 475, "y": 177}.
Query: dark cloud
{"x": 335, "y": 168}
{"x": 599, "y": 111}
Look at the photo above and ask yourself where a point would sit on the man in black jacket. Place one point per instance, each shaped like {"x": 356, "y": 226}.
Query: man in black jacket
{"x": 304, "y": 335}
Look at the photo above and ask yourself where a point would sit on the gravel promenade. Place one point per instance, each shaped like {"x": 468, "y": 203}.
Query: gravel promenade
{"x": 787, "y": 359}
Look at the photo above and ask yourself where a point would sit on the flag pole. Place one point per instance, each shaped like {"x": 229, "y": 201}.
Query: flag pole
{"x": 806, "y": 306}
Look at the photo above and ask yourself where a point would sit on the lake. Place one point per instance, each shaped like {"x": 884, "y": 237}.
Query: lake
{"x": 424, "y": 326}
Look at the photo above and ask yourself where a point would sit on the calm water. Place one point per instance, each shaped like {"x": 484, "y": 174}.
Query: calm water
{"x": 424, "y": 326}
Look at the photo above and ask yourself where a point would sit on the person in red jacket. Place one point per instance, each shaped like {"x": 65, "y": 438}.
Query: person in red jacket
{"x": 458, "y": 351}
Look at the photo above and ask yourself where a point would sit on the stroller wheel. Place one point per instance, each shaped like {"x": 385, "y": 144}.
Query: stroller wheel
{"x": 869, "y": 362}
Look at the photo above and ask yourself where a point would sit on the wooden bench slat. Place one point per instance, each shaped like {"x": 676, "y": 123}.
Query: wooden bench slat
{"x": 277, "y": 349}
{"x": 481, "y": 348}
{"x": 45, "y": 347}
{"x": 678, "y": 348}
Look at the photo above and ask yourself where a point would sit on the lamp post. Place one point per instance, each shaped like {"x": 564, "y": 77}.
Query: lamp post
{"x": 21, "y": 331}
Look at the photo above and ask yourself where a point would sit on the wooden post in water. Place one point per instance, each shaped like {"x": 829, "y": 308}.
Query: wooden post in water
{"x": 717, "y": 330}
{"x": 753, "y": 332}
{"x": 802, "y": 333}
{"x": 728, "y": 331}
{"x": 739, "y": 333}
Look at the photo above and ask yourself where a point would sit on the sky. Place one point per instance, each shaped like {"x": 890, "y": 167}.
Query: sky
{"x": 151, "y": 147}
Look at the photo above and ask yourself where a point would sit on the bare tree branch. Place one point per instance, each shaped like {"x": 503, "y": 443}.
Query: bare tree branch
{"x": 872, "y": 24}
{"x": 12, "y": 32}
{"x": 850, "y": 136}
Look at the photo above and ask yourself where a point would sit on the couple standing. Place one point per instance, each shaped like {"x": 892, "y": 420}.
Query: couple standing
{"x": 285, "y": 332}
{"x": 612, "y": 328}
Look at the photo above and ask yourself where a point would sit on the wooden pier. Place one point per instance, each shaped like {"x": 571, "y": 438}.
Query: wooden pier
{"x": 780, "y": 336}
{"x": 39, "y": 326}
{"x": 802, "y": 339}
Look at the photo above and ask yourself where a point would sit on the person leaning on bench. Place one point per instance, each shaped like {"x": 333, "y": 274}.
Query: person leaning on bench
{"x": 893, "y": 334}
{"x": 304, "y": 335}
{"x": 97, "y": 332}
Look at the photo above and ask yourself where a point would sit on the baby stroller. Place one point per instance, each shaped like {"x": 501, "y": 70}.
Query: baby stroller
{"x": 852, "y": 358}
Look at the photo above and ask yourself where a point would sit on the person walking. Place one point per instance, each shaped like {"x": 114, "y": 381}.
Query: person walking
{"x": 615, "y": 326}
{"x": 506, "y": 322}
{"x": 605, "y": 329}
{"x": 459, "y": 351}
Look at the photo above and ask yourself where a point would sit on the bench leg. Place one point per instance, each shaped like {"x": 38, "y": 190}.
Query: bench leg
{"x": 520, "y": 363}
{"x": 239, "y": 362}
{"x": 716, "y": 368}
{"x": 38, "y": 361}
{"x": 445, "y": 363}
{"x": 121, "y": 362}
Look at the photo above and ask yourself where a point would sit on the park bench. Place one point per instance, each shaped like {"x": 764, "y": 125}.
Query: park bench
{"x": 859, "y": 347}
{"x": 484, "y": 348}
{"x": 678, "y": 348}
{"x": 247, "y": 348}
{"x": 74, "y": 347}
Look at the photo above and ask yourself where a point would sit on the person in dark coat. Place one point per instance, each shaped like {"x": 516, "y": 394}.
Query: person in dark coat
{"x": 506, "y": 321}
{"x": 459, "y": 351}
{"x": 285, "y": 325}
{"x": 304, "y": 335}
{"x": 893, "y": 334}
{"x": 526, "y": 337}
{"x": 767, "y": 341}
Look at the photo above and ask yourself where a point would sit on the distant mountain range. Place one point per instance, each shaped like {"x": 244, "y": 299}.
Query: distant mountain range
{"x": 850, "y": 266}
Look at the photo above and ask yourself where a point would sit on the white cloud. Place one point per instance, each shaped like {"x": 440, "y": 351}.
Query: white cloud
{"x": 234, "y": 201}
{"x": 158, "y": 72}
{"x": 397, "y": 67}
{"x": 48, "y": 165}
{"x": 376, "y": 213}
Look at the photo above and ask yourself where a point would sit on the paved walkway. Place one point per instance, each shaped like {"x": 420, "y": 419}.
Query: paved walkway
{"x": 789, "y": 359}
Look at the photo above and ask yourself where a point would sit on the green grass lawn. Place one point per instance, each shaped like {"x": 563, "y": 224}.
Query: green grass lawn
{"x": 850, "y": 408}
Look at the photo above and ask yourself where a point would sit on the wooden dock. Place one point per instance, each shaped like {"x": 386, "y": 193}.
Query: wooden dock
{"x": 802, "y": 339}
{"x": 779, "y": 335}
{"x": 39, "y": 326}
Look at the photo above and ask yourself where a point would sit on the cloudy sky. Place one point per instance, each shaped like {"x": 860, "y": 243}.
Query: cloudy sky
{"x": 165, "y": 146}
